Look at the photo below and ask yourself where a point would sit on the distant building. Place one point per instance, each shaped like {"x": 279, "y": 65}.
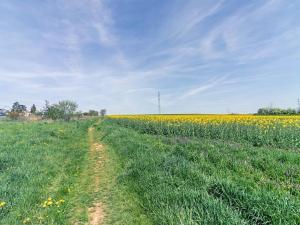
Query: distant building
{"x": 27, "y": 114}
{"x": 3, "y": 112}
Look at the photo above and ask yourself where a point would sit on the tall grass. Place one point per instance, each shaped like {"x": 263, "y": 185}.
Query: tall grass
{"x": 195, "y": 180}
{"x": 40, "y": 166}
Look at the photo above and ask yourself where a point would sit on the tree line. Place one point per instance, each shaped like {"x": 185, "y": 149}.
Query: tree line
{"x": 277, "y": 111}
{"x": 63, "y": 110}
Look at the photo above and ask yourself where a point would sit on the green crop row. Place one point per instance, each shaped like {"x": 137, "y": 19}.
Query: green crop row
{"x": 277, "y": 135}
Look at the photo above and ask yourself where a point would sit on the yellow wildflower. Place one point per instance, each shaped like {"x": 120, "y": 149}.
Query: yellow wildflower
{"x": 2, "y": 204}
{"x": 26, "y": 221}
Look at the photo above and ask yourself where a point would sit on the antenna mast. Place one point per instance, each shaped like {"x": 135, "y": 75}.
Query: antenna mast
{"x": 158, "y": 100}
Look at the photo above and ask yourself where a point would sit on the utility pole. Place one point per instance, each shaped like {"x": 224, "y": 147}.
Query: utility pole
{"x": 298, "y": 105}
{"x": 158, "y": 100}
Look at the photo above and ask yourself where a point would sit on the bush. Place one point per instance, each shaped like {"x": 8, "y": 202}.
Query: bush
{"x": 14, "y": 115}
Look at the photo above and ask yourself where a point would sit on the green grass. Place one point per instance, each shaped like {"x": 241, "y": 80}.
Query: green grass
{"x": 37, "y": 161}
{"x": 146, "y": 177}
{"x": 196, "y": 180}
{"x": 41, "y": 160}
{"x": 122, "y": 205}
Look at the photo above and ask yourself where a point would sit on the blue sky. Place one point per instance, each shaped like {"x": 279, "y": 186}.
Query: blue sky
{"x": 205, "y": 56}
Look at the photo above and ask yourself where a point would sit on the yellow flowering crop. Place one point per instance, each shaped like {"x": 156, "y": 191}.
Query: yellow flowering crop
{"x": 262, "y": 121}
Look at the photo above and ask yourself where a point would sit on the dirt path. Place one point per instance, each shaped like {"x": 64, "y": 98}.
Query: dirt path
{"x": 96, "y": 212}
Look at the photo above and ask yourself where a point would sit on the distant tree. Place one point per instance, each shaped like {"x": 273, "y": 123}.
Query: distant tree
{"x": 33, "y": 109}
{"x": 78, "y": 115}
{"x": 47, "y": 104}
{"x": 15, "y": 107}
{"x": 291, "y": 111}
{"x": 103, "y": 112}
{"x": 45, "y": 109}
{"x": 276, "y": 111}
{"x": 18, "y": 108}
{"x": 262, "y": 111}
{"x": 93, "y": 113}
{"x": 63, "y": 110}
{"x": 53, "y": 112}
{"x": 17, "y": 111}
{"x": 68, "y": 108}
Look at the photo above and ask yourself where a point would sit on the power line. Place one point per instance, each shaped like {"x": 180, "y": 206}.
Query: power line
{"x": 158, "y": 100}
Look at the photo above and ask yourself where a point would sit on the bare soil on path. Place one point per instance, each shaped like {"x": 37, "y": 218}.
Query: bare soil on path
{"x": 96, "y": 212}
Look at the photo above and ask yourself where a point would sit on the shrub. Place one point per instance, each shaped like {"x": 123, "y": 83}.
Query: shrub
{"x": 14, "y": 115}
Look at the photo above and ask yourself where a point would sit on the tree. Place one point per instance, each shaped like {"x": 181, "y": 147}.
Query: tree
{"x": 53, "y": 112}
{"x": 45, "y": 110}
{"x": 18, "y": 108}
{"x": 67, "y": 108}
{"x": 276, "y": 111}
{"x": 33, "y": 109}
{"x": 103, "y": 112}
{"x": 93, "y": 113}
{"x": 15, "y": 107}
{"x": 16, "y": 111}
{"x": 63, "y": 110}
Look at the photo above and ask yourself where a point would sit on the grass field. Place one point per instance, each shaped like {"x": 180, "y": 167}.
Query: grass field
{"x": 48, "y": 173}
{"x": 40, "y": 165}
{"x": 162, "y": 170}
{"x": 209, "y": 173}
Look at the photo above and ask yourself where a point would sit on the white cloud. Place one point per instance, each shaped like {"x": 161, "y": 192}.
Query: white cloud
{"x": 77, "y": 47}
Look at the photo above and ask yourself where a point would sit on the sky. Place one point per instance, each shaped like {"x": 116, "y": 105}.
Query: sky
{"x": 204, "y": 56}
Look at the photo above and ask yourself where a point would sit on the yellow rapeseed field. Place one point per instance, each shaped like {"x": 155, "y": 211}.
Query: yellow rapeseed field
{"x": 262, "y": 121}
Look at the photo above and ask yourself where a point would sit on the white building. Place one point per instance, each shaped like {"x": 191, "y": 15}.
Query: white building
{"x": 3, "y": 112}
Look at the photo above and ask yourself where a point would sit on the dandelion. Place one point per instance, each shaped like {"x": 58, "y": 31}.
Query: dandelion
{"x": 26, "y": 221}
{"x": 60, "y": 202}
{"x": 49, "y": 202}
{"x": 2, "y": 204}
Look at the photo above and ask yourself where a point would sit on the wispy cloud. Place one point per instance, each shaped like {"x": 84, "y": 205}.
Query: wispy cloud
{"x": 117, "y": 54}
{"x": 190, "y": 18}
{"x": 212, "y": 83}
